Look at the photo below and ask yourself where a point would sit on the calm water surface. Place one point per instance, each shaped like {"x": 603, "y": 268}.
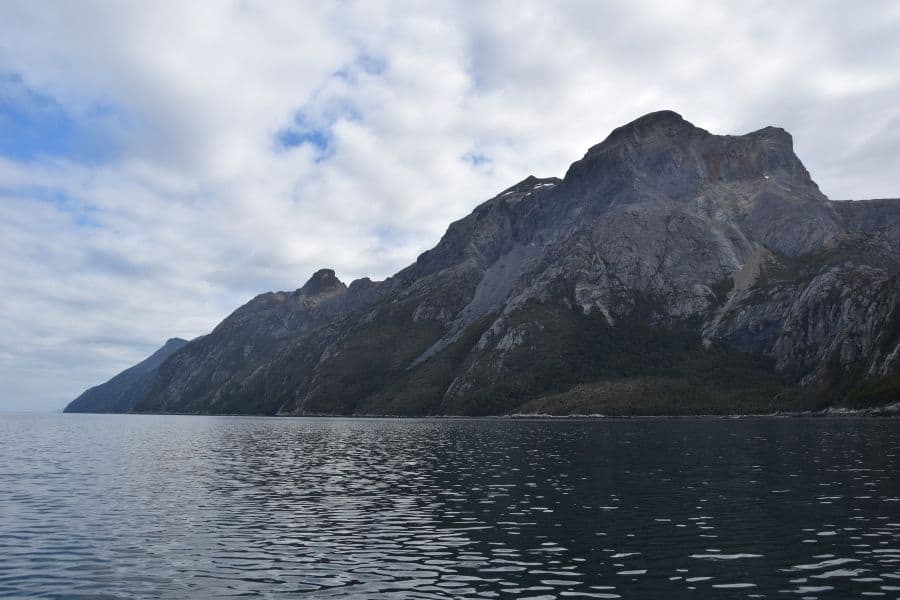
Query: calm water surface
{"x": 123, "y": 506}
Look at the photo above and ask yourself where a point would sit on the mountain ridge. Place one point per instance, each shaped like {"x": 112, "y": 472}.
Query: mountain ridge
{"x": 124, "y": 390}
{"x": 670, "y": 270}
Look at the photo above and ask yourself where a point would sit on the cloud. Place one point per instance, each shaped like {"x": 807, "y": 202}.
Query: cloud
{"x": 162, "y": 163}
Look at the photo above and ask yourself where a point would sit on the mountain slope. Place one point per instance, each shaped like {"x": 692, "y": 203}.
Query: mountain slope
{"x": 670, "y": 270}
{"x": 123, "y": 391}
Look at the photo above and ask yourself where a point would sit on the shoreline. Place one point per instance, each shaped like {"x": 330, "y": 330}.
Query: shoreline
{"x": 888, "y": 411}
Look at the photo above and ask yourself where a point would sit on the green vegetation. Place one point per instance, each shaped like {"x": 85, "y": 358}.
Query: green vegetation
{"x": 420, "y": 391}
{"x": 569, "y": 361}
{"x": 875, "y": 392}
{"x": 370, "y": 359}
{"x": 642, "y": 396}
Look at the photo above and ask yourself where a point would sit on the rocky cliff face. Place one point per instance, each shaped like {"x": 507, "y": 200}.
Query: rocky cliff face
{"x": 670, "y": 270}
{"x": 123, "y": 391}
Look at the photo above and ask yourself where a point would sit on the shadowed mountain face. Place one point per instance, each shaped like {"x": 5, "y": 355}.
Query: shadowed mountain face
{"x": 670, "y": 271}
{"x": 123, "y": 391}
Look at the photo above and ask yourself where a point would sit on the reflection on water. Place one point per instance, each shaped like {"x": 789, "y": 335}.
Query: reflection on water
{"x": 118, "y": 506}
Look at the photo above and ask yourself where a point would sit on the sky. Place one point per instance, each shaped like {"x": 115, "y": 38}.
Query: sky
{"x": 161, "y": 162}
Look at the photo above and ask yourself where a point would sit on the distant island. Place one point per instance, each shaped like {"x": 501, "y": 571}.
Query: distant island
{"x": 670, "y": 271}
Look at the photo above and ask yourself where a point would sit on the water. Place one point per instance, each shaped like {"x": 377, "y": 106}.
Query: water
{"x": 123, "y": 506}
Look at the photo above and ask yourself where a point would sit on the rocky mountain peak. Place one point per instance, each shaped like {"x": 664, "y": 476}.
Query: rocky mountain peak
{"x": 774, "y": 134}
{"x": 322, "y": 281}
{"x": 659, "y": 124}
{"x": 663, "y": 155}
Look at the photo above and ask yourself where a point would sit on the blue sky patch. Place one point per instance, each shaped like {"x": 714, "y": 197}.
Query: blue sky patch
{"x": 34, "y": 125}
{"x": 316, "y": 131}
{"x": 313, "y": 123}
{"x": 291, "y": 138}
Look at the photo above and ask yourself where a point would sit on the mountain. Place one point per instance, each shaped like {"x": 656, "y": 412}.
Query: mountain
{"x": 123, "y": 391}
{"x": 669, "y": 271}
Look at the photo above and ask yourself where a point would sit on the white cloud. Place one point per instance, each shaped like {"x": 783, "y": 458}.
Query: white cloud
{"x": 426, "y": 109}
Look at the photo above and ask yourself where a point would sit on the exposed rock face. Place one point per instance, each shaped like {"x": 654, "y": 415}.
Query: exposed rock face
{"x": 876, "y": 218}
{"x": 669, "y": 262}
{"x": 123, "y": 391}
{"x": 229, "y": 369}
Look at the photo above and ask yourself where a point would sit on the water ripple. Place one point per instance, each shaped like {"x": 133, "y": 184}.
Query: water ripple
{"x": 129, "y": 506}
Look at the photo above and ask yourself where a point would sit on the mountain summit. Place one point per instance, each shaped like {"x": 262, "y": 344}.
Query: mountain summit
{"x": 323, "y": 281}
{"x": 670, "y": 271}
